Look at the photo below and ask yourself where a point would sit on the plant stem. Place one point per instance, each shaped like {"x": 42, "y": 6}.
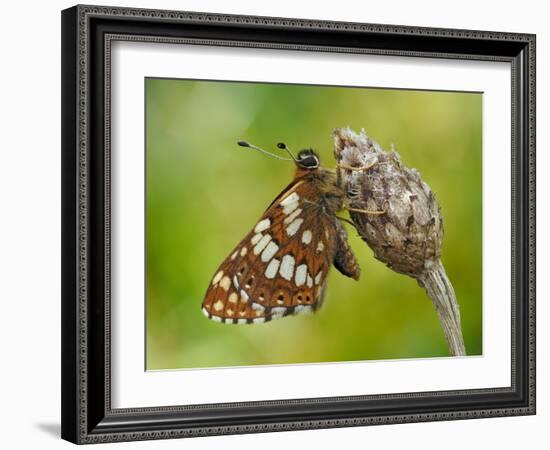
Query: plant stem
{"x": 434, "y": 279}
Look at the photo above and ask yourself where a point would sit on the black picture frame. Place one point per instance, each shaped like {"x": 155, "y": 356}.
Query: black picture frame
{"x": 87, "y": 415}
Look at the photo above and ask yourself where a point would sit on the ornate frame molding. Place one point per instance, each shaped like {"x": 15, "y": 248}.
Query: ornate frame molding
{"x": 88, "y": 32}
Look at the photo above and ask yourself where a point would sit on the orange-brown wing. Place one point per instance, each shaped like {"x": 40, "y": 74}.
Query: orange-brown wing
{"x": 281, "y": 266}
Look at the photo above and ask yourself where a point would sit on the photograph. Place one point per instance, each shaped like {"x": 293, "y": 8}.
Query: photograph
{"x": 254, "y": 191}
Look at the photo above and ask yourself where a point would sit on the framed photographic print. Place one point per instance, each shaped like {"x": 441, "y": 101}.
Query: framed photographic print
{"x": 282, "y": 224}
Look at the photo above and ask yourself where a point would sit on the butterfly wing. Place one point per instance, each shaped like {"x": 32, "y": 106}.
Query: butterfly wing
{"x": 281, "y": 266}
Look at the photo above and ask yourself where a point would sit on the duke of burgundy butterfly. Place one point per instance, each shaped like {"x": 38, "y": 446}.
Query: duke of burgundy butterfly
{"x": 280, "y": 268}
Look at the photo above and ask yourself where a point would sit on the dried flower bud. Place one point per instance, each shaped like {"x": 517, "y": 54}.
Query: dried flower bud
{"x": 399, "y": 219}
{"x": 407, "y": 236}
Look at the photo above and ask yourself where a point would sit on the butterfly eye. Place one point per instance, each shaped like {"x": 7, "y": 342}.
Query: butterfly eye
{"x": 309, "y": 162}
{"x": 308, "y": 159}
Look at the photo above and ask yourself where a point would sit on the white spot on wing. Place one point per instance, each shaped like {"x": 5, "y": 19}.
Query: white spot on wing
{"x": 259, "y": 320}
{"x": 234, "y": 255}
{"x": 306, "y": 237}
{"x": 277, "y": 312}
{"x": 269, "y": 251}
{"x": 236, "y": 282}
{"x": 256, "y": 238}
{"x": 289, "y": 208}
{"x": 318, "y": 277}
{"x": 217, "y": 277}
{"x": 205, "y": 312}
{"x": 218, "y": 306}
{"x": 301, "y": 274}
{"x": 272, "y": 268}
{"x": 233, "y": 297}
{"x": 262, "y": 244}
{"x": 257, "y": 307}
{"x": 292, "y": 216}
{"x": 262, "y": 225}
{"x": 309, "y": 281}
{"x": 287, "y": 267}
{"x": 225, "y": 283}
{"x": 290, "y": 199}
{"x": 320, "y": 246}
{"x": 216, "y": 319}
{"x": 294, "y": 227}
{"x": 243, "y": 251}
{"x": 290, "y": 203}
{"x": 303, "y": 309}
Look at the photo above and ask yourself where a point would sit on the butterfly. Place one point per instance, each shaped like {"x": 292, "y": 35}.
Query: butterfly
{"x": 280, "y": 268}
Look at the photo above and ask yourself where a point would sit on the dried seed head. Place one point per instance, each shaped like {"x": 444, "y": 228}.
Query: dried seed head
{"x": 408, "y": 236}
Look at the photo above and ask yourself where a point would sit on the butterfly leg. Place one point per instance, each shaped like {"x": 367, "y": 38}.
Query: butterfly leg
{"x": 366, "y": 211}
{"x": 357, "y": 169}
{"x": 363, "y": 211}
{"x": 343, "y": 219}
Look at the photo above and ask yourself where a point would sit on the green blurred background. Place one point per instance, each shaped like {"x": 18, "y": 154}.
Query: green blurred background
{"x": 204, "y": 193}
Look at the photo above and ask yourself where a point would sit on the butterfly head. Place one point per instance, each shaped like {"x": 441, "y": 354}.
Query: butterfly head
{"x": 307, "y": 159}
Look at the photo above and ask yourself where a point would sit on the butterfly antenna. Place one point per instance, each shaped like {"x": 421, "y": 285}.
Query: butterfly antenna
{"x": 254, "y": 147}
{"x": 283, "y": 146}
